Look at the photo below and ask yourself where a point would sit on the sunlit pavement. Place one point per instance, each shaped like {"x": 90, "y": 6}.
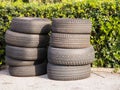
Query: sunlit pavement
{"x": 97, "y": 81}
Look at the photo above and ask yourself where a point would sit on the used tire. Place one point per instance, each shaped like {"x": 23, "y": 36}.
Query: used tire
{"x": 67, "y": 25}
{"x": 31, "y": 25}
{"x": 17, "y": 62}
{"x": 71, "y": 56}
{"x": 25, "y": 71}
{"x": 70, "y": 40}
{"x": 26, "y": 40}
{"x": 26, "y": 53}
{"x": 56, "y": 72}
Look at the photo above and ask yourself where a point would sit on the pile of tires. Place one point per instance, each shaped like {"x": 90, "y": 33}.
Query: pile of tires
{"x": 26, "y": 50}
{"x": 70, "y": 52}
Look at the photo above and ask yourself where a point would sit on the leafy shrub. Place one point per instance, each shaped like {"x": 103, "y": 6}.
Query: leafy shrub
{"x": 104, "y": 14}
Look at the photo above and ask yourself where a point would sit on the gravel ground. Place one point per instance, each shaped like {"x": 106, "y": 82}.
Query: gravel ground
{"x": 97, "y": 81}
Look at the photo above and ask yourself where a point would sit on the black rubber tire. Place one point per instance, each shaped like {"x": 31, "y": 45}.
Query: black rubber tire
{"x": 71, "y": 56}
{"x": 31, "y": 25}
{"x": 26, "y": 71}
{"x": 26, "y": 53}
{"x": 67, "y": 25}
{"x": 26, "y": 40}
{"x": 17, "y": 62}
{"x": 57, "y": 72}
{"x": 70, "y": 40}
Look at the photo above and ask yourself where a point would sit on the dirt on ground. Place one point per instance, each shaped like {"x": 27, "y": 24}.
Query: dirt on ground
{"x": 97, "y": 81}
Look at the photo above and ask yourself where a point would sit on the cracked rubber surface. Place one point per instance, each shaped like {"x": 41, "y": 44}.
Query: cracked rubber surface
{"x": 71, "y": 56}
{"x": 17, "y": 62}
{"x": 25, "y": 71}
{"x": 31, "y": 25}
{"x": 67, "y": 25}
{"x": 70, "y": 40}
{"x": 57, "y": 72}
{"x": 26, "y": 40}
{"x": 26, "y": 53}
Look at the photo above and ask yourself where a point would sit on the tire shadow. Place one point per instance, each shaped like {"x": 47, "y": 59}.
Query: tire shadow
{"x": 4, "y": 72}
{"x": 44, "y": 76}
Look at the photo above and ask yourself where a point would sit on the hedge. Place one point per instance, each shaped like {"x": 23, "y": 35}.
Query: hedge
{"x": 104, "y": 14}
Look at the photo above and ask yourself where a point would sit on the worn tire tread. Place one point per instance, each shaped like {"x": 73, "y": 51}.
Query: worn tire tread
{"x": 59, "y": 72}
{"x": 26, "y": 71}
{"x": 71, "y": 56}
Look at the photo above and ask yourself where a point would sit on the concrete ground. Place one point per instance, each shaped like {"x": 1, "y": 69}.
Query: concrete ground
{"x": 99, "y": 80}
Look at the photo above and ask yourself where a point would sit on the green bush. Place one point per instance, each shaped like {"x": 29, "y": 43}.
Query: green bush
{"x": 104, "y": 14}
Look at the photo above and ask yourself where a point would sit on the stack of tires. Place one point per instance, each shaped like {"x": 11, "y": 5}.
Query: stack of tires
{"x": 27, "y": 42}
{"x": 70, "y": 53}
